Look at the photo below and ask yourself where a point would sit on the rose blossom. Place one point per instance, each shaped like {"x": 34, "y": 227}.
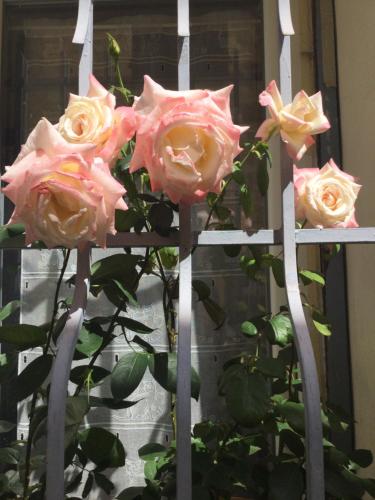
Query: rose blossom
{"x": 90, "y": 123}
{"x": 185, "y": 139}
{"x": 296, "y": 122}
{"x": 325, "y": 197}
{"x": 63, "y": 200}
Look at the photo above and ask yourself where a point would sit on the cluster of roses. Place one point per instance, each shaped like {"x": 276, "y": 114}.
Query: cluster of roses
{"x": 324, "y": 197}
{"x": 63, "y": 189}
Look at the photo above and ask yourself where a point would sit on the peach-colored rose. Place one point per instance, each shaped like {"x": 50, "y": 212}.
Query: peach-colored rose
{"x": 90, "y": 123}
{"x": 63, "y": 199}
{"x": 296, "y": 122}
{"x": 325, "y": 197}
{"x": 186, "y": 140}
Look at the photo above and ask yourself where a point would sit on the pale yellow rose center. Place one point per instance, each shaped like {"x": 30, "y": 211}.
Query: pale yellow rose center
{"x": 192, "y": 152}
{"x": 87, "y": 120}
{"x": 331, "y": 197}
{"x": 60, "y": 210}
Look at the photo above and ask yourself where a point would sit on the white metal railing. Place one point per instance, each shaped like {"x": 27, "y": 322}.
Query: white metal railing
{"x": 287, "y": 236}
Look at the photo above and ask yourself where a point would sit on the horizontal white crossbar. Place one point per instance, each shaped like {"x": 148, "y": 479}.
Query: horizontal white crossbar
{"x": 213, "y": 238}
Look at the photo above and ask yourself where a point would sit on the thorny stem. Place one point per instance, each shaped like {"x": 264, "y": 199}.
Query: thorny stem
{"x": 35, "y": 394}
{"x": 223, "y": 191}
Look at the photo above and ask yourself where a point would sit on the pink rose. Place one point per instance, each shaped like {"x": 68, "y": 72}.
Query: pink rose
{"x": 63, "y": 199}
{"x": 186, "y": 140}
{"x": 325, "y": 197}
{"x": 89, "y": 124}
{"x": 296, "y": 122}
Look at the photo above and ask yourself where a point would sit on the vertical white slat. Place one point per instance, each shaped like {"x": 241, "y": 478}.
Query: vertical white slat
{"x": 310, "y": 381}
{"x": 183, "y": 403}
{"x": 69, "y": 335}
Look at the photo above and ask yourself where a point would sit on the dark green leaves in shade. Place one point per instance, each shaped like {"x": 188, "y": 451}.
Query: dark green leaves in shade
{"x": 163, "y": 367}
{"x": 128, "y": 373}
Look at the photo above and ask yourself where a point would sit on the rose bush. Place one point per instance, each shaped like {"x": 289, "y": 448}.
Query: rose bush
{"x": 325, "y": 197}
{"x": 186, "y": 140}
{"x": 296, "y": 121}
{"x": 90, "y": 123}
{"x": 64, "y": 199}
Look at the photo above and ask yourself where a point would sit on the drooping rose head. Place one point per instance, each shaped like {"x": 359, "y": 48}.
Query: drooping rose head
{"x": 296, "y": 121}
{"x": 63, "y": 200}
{"x": 185, "y": 139}
{"x": 325, "y": 197}
{"x": 92, "y": 123}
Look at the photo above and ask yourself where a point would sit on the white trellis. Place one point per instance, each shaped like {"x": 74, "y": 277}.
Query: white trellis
{"x": 287, "y": 236}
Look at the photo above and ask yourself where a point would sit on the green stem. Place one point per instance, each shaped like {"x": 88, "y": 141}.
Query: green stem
{"x": 56, "y": 302}
{"x": 290, "y": 381}
{"x": 35, "y": 394}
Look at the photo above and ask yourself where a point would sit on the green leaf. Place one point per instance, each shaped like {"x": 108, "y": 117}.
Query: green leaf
{"x": 271, "y": 367}
{"x": 151, "y": 451}
{"x": 160, "y": 217}
{"x": 293, "y": 442}
{"x": 202, "y": 289}
{"x": 246, "y": 395}
{"x": 262, "y": 178}
{"x": 76, "y": 409}
{"x": 128, "y": 373}
{"x": 343, "y": 484}
{"x": 80, "y": 373}
{"x": 279, "y": 330}
{"x": 23, "y": 336}
{"x": 9, "y": 456}
{"x": 75, "y": 483}
{"x": 245, "y": 200}
{"x": 127, "y": 295}
{"x": 117, "y": 266}
{"x": 6, "y": 426}
{"x": 9, "y": 309}
{"x": 113, "y": 404}
{"x": 133, "y": 325}
{"x": 311, "y": 277}
{"x": 286, "y": 482}
{"x": 169, "y": 257}
{"x": 277, "y": 266}
{"x": 88, "y": 485}
{"x": 132, "y": 493}
{"x": 361, "y": 457}
{"x": 222, "y": 213}
{"x": 102, "y": 447}
{"x": 88, "y": 343}
{"x": 150, "y": 470}
{"x": 369, "y": 485}
{"x": 142, "y": 343}
{"x": 59, "y": 325}
{"x": 215, "y": 312}
{"x": 322, "y": 328}
{"x": 232, "y": 250}
{"x": 32, "y": 376}
{"x": 163, "y": 367}
{"x": 248, "y": 328}
{"x": 8, "y": 364}
{"x": 11, "y": 231}
{"x": 293, "y": 414}
{"x": 126, "y": 219}
{"x": 103, "y": 482}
